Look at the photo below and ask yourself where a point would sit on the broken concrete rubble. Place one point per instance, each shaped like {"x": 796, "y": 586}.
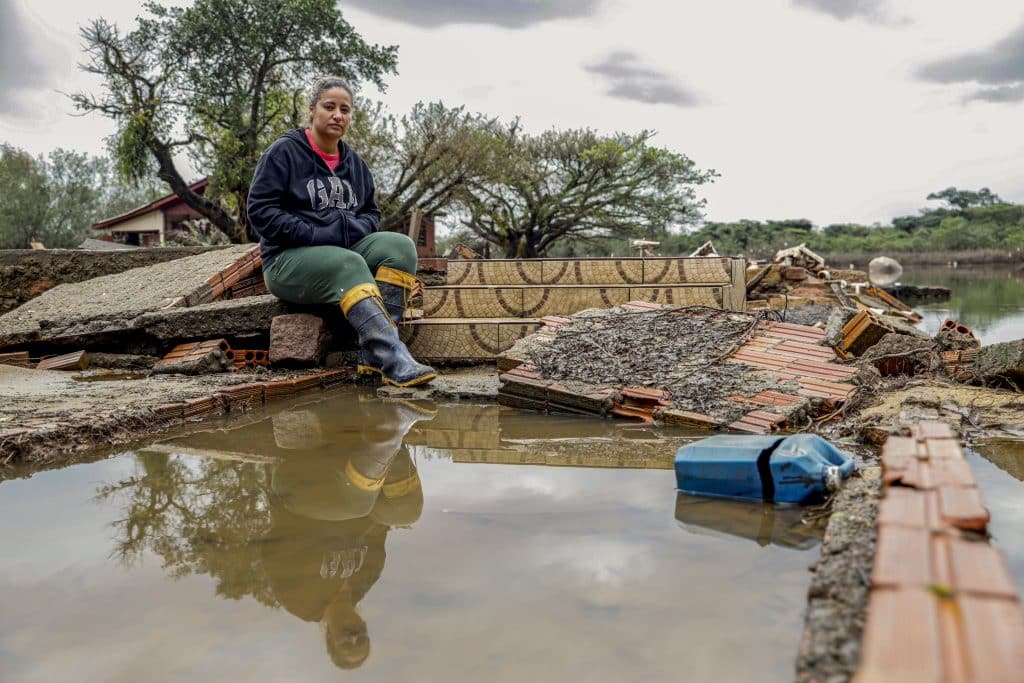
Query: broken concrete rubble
{"x": 1001, "y": 361}
{"x": 74, "y": 314}
{"x": 298, "y": 339}
{"x": 25, "y": 274}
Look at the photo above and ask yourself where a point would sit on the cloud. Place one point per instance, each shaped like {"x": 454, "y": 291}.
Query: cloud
{"x": 504, "y": 13}
{"x": 1005, "y": 93}
{"x": 25, "y": 70}
{"x": 874, "y": 11}
{"x": 1000, "y": 66}
{"x": 627, "y": 79}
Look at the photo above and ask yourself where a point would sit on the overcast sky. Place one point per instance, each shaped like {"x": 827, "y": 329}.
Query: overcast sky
{"x": 832, "y": 110}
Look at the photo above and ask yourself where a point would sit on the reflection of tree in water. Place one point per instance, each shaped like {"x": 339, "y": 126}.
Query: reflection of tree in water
{"x": 199, "y": 517}
{"x": 980, "y": 297}
{"x": 306, "y": 533}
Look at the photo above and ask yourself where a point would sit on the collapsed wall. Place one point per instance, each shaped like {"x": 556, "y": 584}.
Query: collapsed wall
{"x": 27, "y": 273}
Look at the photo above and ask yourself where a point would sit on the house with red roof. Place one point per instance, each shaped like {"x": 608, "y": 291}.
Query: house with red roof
{"x": 147, "y": 225}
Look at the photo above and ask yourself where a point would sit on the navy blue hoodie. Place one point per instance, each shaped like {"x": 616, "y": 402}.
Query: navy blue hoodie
{"x": 296, "y": 201}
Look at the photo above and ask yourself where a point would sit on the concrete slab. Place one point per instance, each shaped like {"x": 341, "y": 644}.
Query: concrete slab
{"x": 110, "y": 303}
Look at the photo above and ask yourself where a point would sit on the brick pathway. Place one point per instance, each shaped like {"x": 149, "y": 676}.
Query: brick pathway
{"x": 943, "y": 606}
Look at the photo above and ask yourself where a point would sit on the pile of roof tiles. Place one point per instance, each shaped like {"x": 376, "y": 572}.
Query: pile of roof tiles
{"x": 943, "y": 606}
{"x": 780, "y": 351}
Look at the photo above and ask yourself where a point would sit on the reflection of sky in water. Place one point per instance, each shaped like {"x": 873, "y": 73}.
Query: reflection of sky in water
{"x": 510, "y": 573}
{"x": 1002, "y": 494}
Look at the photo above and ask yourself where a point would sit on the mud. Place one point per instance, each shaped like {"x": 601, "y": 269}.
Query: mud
{"x": 840, "y": 586}
{"x": 972, "y": 411}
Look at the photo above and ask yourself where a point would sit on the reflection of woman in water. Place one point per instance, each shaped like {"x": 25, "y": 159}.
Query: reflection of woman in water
{"x": 331, "y": 516}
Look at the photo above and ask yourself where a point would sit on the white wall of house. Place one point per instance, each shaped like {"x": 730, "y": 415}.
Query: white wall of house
{"x": 147, "y": 222}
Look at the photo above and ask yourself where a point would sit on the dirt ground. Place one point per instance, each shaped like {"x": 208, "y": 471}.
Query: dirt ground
{"x": 838, "y": 597}
{"x": 970, "y": 410}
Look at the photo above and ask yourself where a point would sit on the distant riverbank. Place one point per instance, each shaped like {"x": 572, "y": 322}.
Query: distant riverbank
{"x": 931, "y": 258}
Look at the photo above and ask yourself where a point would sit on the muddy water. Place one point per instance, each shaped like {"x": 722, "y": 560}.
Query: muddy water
{"x": 400, "y": 542}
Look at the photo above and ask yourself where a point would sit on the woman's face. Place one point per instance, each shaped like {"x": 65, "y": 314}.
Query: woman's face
{"x": 331, "y": 116}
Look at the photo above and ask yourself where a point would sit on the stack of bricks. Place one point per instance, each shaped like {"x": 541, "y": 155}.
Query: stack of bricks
{"x": 959, "y": 364}
{"x": 242, "y": 278}
{"x": 943, "y": 606}
{"x": 863, "y": 331}
{"x": 249, "y": 358}
{"x": 213, "y": 352}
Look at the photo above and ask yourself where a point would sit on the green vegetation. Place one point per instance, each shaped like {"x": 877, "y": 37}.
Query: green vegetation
{"x": 977, "y": 222}
{"x": 218, "y": 81}
{"x": 55, "y": 199}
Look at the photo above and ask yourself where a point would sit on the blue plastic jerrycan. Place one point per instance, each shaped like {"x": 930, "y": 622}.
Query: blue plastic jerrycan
{"x": 801, "y": 468}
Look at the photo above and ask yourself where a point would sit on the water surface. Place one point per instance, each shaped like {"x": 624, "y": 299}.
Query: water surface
{"x": 988, "y": 299}
{"x": 396, "y": 542}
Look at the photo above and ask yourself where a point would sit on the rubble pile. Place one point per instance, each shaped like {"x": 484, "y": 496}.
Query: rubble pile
{"x": 694, "y": 367}
{"x": 680, "y": 350}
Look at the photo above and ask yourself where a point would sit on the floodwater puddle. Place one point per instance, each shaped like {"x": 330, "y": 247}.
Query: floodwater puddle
{"x": 998, "y": 466}
{"x": 397, "y": 540}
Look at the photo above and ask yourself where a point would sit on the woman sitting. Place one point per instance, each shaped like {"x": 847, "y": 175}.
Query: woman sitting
{"x": 312, "y": 204}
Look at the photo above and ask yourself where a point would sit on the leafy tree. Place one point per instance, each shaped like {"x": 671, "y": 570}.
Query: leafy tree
{"x": 582, "y": 185}
{"x": 965, "y": 199}
{"x": 426, "y": 159}
{"x": 205, "y": 518}
{"x": 218, "y": 80}
{"x": 56, "y": 199}
{"x": 75, "y": 188}
{"x": 24, "y": 205}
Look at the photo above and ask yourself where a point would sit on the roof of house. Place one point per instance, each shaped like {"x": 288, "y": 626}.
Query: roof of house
{"x": 100, "y": 245}
{"x": 198, "y": 187}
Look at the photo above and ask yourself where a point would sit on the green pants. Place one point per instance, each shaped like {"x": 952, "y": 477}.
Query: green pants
{"x": 321, "y": 275}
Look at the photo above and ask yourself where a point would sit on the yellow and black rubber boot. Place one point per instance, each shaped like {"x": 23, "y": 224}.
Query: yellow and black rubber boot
{"x": 381, "y": 352}
{"x": 396, "y": 289}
